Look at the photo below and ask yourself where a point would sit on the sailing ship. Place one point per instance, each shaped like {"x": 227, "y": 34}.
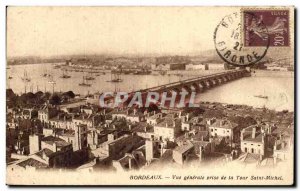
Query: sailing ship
{"x": 116, "y": 77}
{"x": 51, "y": 80}
{"x": 84, "y": 83}
{"x": 90, "y": 77}
{"x": 25, "y": 78}
{"x": 65, "y": 75}
{"x": 45, "y": 74}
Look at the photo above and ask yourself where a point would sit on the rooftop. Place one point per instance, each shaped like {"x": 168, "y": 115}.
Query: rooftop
{"x": 184, "y": 148}
{"x": 226, "y": 124}
{"x": 58, "y": 141}
{"x": 169, "y": 122}
{"x": 33, "y": 163}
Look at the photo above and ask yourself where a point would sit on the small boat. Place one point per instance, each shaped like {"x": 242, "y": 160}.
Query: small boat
{"x": 117, "y": 80}
{"x": 261, "y": 96}
{"x": 45, "y": 74}
{"x": 10, "y": 77}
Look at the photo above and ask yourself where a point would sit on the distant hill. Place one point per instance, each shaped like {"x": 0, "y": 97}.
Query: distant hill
{"x": 207, "y": 56}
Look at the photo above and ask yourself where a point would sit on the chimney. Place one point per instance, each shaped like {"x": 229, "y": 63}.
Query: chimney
{"x": 182, "y": 119}
{"x": 129, "y": 163}
{"x": 166, "y": 124}
{"x": 275, "y": 146}
{"x": 200, "y": 153}
{"x": 134, "y": 111}
{"x": 129, "y": 127}
{"x": 145, "y": 128}
{"x": 253, "y": 132}
{"x": 186, "y": 135}
{"x": 242, "y": 134}
{"x": 55, "y": 147}
{"x": 174, "y": 123}
{"x": 187, "y": 117}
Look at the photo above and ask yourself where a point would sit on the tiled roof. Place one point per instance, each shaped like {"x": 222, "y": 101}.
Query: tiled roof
{"x": 226, "y": 124}
{"x": 184, "y": 148}
{"x": 169, "y": 122}
{"x": 58, "y": 141}
{"x": 32, "y": 162}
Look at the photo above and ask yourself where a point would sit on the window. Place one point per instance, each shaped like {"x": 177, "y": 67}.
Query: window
{"x": 258, "y": 145}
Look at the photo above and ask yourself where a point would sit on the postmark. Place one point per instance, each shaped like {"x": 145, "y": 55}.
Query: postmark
{"x": 229, "y": 43}
{"x": 259, "y": 25}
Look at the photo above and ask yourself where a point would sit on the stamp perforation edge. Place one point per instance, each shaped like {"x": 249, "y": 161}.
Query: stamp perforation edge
{"x": 268, "y": 9}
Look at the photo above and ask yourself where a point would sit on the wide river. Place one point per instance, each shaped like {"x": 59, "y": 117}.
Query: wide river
{"x": 278, "y": 86}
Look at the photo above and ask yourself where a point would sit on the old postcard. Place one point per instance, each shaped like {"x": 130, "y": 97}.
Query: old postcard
{"x": 150, "y": 96}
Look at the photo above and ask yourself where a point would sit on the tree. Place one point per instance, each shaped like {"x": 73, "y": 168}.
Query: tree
{"x": 55, "y": 99}
{"x": 70, "y": 94}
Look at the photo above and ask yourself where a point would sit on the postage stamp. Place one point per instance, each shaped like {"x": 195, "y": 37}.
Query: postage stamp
{"x": 229, "y": 44}
{"x": 263, "y": 25}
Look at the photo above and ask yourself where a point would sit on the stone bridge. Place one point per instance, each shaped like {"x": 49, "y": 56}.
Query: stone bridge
{"x": 199, "y": 84}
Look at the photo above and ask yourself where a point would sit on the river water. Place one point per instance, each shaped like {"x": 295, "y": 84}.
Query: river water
{"x": 278, "y": 86}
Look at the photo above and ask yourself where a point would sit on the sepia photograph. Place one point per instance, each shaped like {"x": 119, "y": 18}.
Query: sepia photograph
{"x": 150, "y": 96}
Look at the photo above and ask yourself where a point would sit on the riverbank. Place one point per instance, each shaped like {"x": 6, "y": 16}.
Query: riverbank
{"x": 268, "y": 73}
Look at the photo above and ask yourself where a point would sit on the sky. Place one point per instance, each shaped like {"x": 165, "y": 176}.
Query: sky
{"x": 51, "y": 31}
